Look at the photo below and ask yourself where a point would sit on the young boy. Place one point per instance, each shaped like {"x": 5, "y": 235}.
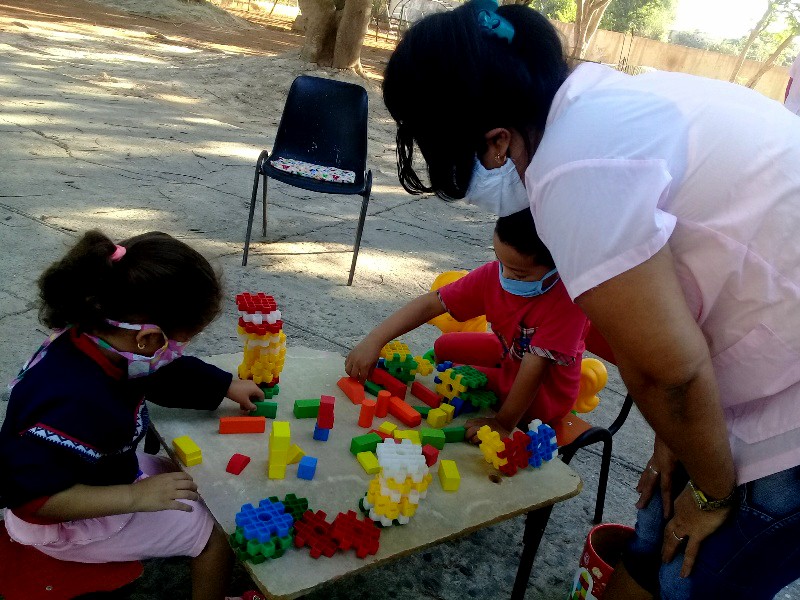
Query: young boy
{"x": 532, "y": 356}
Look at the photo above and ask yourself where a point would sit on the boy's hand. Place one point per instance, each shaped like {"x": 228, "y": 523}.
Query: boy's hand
{"x": 163, "y": 492}
{"x": 362, "y": 359}
{"x": 243, "y": 392}
{"x": 473, "y": 425}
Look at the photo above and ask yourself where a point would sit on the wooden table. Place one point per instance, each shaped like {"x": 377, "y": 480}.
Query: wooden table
{"x": 484, "y": 498}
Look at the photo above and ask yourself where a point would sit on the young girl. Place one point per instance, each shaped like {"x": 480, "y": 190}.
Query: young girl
{"x": 75, "y": 486}
{"x": 532, "y": 357}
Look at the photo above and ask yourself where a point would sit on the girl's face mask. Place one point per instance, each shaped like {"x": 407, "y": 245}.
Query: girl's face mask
{"x": 138, "y": 364}
{"x": 500, "y": 191}
{"x": 527, "y": 289}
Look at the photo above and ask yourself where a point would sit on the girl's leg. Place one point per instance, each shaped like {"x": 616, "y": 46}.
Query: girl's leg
{"x": 211, "y": 569}
{"x": 477, "y": 349}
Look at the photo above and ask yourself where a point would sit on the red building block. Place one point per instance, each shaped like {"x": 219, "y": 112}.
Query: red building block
{"x": 403, "y": 411}
{"x": 383, "y": 435}
{"x": 516, "y": 452}
{"x": 237, "y": 463}
{"x": 382, "y": 406}
{"x": 431, "y": 454}
{"x": 349, "y": 532}
{"x": 325, "y": 415}
{"x": 428, "y": 396}
{"x": 314, "y": 531}
{"x": 389, "y": 382}
{"x": 242, "y": 424}
{"x": 352, "y": 388}
{"x": 367, "y": 413}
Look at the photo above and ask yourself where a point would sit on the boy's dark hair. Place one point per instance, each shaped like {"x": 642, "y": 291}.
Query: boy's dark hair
{"x": 159, "y": 280}
{"x": 519, "y": 231}
{"x": 448, "y": 83}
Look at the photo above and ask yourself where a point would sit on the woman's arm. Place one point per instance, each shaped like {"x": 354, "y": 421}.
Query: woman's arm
{"x": 362, "y": 358}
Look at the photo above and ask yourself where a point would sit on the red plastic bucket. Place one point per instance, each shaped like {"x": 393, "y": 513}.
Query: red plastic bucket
{"x": 601, "y": 553}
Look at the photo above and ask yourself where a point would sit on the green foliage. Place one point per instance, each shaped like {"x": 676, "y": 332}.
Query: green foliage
{"x": 560, "y": 10}
{"x": 646, "y": 18}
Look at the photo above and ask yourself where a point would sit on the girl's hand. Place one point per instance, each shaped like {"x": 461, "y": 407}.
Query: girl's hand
{"x": 658, "y": 474}
{"x": 163, "y": 492}
{"x": 243, "y": 392}
{"x": 362, "y": 359}
{"x": 473, "y": 425}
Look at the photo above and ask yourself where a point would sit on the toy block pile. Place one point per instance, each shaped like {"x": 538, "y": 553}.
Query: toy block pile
{"x": 535, "y": 447}
{"x": 266, "y": 531}
{"x": 324, "y": 418}
{"x": 394, "y": 494}
{"x": 261, "y": 330}
{"x": 463, "y": 388}
{"x": 346, "y": 532}
{"x": 401, "y": 364}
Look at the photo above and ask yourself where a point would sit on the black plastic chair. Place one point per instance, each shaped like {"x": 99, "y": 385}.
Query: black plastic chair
{"x": 324, "y": 123}
{"x": 573, "y": 433}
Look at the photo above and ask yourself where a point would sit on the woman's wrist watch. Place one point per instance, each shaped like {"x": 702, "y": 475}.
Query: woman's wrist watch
{"x": 705, "y": 504}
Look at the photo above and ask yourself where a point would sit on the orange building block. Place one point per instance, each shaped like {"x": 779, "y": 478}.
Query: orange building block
{"x": 352, "y": 389}
{"x": 403, "y": 411}
{"x": 382, "y": 406}
{"x": 367, "y": 413}
{"x": 242, "y": 424}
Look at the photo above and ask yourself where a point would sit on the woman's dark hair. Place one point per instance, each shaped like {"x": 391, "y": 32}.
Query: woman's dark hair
{"x": 449, "y": 82}
{"x": 519, "y": 231}
{"x": 159, "y": 280}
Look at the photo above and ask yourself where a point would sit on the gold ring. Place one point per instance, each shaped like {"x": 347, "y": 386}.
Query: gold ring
{"x": 675, "y": 535}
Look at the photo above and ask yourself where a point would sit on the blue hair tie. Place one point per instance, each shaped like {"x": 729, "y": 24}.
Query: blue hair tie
{"x": 490, "y": 22}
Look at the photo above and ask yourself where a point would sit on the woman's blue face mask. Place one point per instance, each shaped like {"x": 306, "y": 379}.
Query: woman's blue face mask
{"x": 527, "y": 289}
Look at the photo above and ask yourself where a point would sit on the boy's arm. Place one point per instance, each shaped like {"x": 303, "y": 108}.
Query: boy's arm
{"x": 522, "y": 394}
{"x": 362, "y": 358}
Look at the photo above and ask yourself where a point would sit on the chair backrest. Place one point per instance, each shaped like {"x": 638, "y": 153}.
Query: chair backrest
{"x": 324, "y": 122}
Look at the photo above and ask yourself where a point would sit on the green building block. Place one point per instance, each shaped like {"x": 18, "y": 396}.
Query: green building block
{"x": 434, "y": 437}
{"x": 423, "y": 410}
{"x": 471, "y": 378}
{"x": 479, "y": 398}
{"x": 306, "y": 409}
{"x": 294, "y": 506}
{"x": 365, "y": 443}
{"x": 454, "y": 434}
{"x": 372, "y": 387}
{"x": 265, "y": 408}
{"x": 270, "y": 392}
{"x": 430, "y": 356}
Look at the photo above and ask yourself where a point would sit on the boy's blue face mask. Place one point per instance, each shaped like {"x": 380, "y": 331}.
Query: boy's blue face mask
{"x": 527, "y": 289}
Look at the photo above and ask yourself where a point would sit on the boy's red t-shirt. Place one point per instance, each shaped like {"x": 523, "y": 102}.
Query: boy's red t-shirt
{"x": 551, "y": 320}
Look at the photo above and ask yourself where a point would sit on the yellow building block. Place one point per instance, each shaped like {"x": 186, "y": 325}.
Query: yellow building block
{"x": 279, "y": 457}
{"x": 369, "y": 462}
{"x": 280, "y": 436}
{"x": 437, "y": 418}
{"x": 448, "y": 475}
{"x": 387, "y": 428}
{"x": 410, "y": 434}
{"x": 294, "y": 455}
{"x": 187, "y": 450}
{"x": 449, "y": 410}
{"x": 276, "y": 471}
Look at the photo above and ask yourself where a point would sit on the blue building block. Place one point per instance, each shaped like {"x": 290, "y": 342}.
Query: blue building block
{"x": 443, "y": 366}
{"x": 307, "y": 467}
{"x": 543, "y": 446}
{"x": 458, "y": 406}
{"x": 262, "y": 523}
{"x": 321, "y": 434}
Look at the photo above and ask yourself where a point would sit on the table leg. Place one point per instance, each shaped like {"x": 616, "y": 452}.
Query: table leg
{"x": 535, "y": 524}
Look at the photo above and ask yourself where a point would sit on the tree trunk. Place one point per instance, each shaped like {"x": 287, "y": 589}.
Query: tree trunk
{"x": 760, "y": 26}
{"x": 351, "y": 33}
{"x": 334, "y": 37}
{"x": 771, "y": 60}
{"x": 587, "y": 19}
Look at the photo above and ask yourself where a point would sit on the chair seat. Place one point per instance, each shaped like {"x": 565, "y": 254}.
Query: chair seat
{"x": 315, "y": 185}
{"x": 26, "y": 574}
{"x": 569, "y": 428}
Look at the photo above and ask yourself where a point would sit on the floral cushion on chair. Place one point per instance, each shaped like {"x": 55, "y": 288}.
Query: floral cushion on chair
{"x": 312, "y": 171}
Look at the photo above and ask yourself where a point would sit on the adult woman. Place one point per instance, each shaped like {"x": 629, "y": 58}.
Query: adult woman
{"x": 669, "y": 203}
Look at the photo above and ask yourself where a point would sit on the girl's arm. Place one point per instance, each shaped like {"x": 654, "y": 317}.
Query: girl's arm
{"x": 159, "y": 492}
{"x": 522, "y": 394}
{"x": 362, "y": 359}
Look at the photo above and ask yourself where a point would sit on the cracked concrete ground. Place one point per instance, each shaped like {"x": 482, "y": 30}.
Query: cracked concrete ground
{"x": 131, "y": 129}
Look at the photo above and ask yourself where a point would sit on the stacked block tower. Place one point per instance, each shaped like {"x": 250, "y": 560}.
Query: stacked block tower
{"x": 394, "y": 494}
{"x": 261, "y": 331}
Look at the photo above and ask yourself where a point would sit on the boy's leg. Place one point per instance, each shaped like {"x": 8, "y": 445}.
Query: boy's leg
{"x": 211, "y": 569}
{"x": 477, "y": 349}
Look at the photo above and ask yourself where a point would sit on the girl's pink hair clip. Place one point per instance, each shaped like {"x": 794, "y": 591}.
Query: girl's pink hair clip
{"x": 119, "y": 252}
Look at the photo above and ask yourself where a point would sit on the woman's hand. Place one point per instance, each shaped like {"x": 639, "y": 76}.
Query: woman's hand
{"x": 691, "y": 525}
{"x": 658, "y": 474}
{"x": 244, "y": 392}
{"x": 473, "y": 425}
{"x": 362, "y": 359}
{"x": 163, "y": 492}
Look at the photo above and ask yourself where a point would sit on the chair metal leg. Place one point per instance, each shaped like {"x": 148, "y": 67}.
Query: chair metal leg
{"x": 360, "y": 230}
{"x": 264, "y": 206}
{"x": 260, "y": 161}
{"x": 605, "y": 466}
{"x": 535, "y": 524}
